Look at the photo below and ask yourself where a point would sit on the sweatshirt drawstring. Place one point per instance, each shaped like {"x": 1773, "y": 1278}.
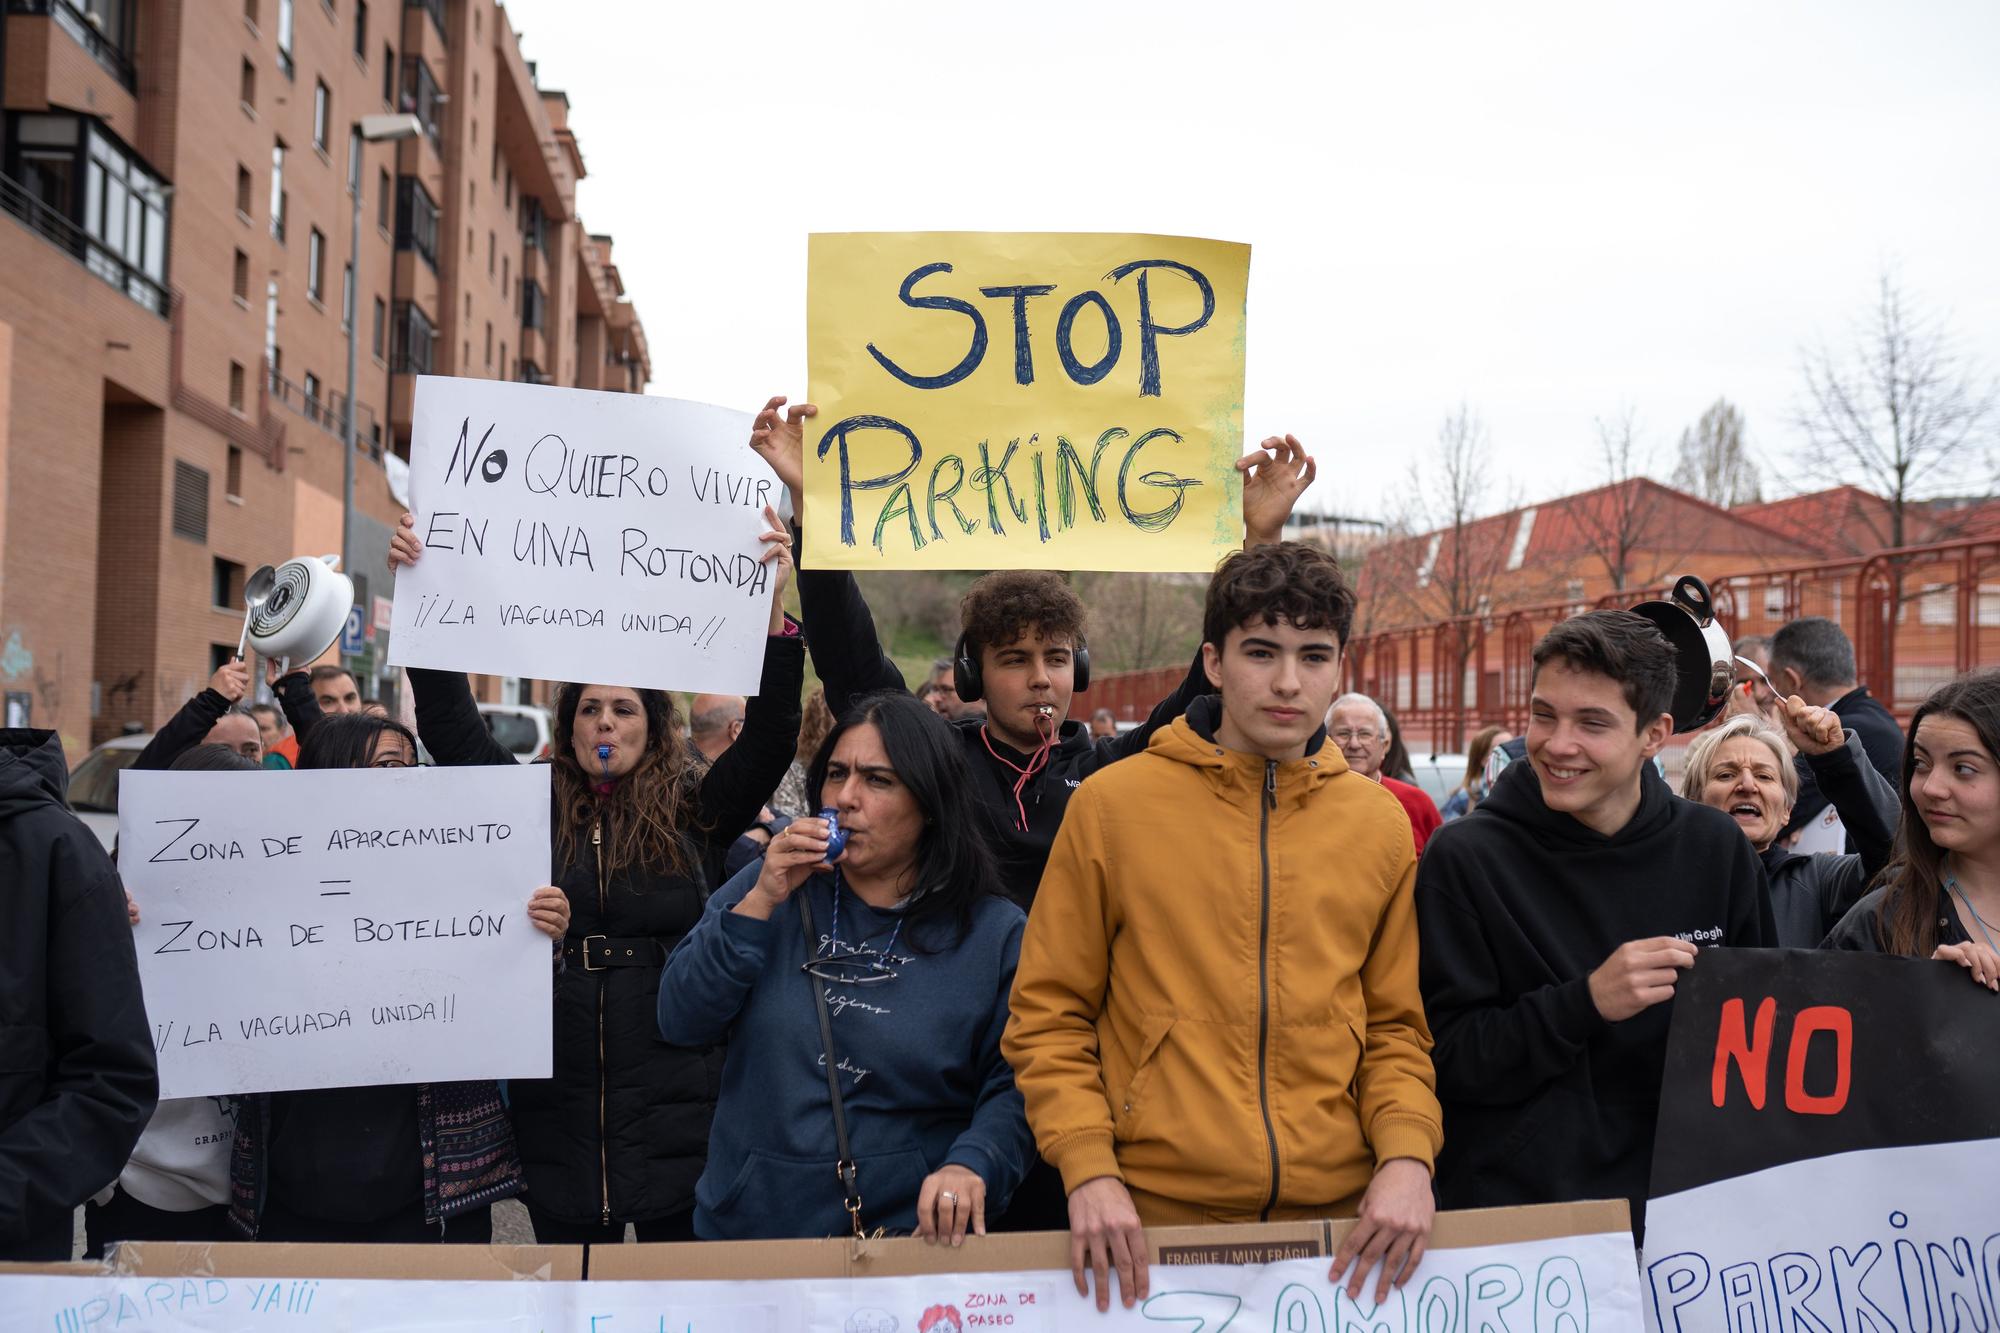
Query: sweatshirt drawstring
{"x": 1036, "y": 763}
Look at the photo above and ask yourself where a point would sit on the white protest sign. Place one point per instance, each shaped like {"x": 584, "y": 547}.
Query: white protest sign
{"x": 572, "y": 535}
{"x": 1578, "y": 1284}
{"x": 340, "y": 927}
{"x": 1881, "y": 1240}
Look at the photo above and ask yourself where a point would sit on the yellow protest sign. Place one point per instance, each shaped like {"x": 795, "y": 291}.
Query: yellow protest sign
{"x": 991, "y": 400}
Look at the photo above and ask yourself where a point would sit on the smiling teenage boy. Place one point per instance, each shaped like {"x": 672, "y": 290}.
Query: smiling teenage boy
{"x": 1555, "y": 920}
{"x": 1216, "y": 1016}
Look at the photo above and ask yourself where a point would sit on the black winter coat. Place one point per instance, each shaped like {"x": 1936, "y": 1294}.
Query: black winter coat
{"x": 620, "y": 1131}
{"x": 77, "y": 1074}
{"x": 1811, "y": 893}
{"x": 190, "y": 726}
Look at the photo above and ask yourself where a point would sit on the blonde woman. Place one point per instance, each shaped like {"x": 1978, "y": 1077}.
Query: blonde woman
{"x": 1744, "y": 769}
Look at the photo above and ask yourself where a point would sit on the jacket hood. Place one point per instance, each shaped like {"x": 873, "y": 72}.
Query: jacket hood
{"x": 1517, "y": 797}
{"x": 1072, "y": 739}
{"x": 33, "y": 771}
{"x": 1191, "y": 740}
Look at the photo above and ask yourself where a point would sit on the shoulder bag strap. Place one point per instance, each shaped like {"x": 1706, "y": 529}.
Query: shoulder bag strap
{"x": 844, "y": 1168}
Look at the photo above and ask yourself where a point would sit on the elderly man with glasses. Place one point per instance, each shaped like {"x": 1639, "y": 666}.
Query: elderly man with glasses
{"x": 1357, "y": 724}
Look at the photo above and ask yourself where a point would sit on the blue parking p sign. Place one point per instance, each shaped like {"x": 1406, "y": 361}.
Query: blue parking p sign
{"x": 351, "y": 633}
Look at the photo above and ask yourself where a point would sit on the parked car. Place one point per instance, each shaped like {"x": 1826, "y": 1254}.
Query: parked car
{"x": 525, "y": 729}
{"x": 1438, "y": 774}
{"x": 93, "y": 784}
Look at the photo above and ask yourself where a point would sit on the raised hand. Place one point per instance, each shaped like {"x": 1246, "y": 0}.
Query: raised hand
{"x": 404, "y": 547}
{"x": 1275, "y": 475}
{"x": 231, "y": 680}
{"x": 778, "y": 436}
{"x": 1812, "y": 730}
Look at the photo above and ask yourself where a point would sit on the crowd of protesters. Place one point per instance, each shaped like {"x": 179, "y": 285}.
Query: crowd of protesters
{"x": 928, "y": 961}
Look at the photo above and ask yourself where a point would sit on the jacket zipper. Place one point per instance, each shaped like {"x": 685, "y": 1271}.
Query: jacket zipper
{"x": 603, "y": 1151}
{"x": 1264, "y": 809}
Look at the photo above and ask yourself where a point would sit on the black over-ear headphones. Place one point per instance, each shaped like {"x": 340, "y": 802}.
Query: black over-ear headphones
{"x": 965, "y": 670}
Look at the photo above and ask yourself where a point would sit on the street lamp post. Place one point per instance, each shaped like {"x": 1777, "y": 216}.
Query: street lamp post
{"x": 372, "y": 129}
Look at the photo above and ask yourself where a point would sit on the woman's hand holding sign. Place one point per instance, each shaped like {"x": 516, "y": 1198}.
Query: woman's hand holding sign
{"x": 778, "y": 436}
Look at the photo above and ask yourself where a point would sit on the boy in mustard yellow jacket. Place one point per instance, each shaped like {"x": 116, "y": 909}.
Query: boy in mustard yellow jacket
{"x": 1216, "y": 1016}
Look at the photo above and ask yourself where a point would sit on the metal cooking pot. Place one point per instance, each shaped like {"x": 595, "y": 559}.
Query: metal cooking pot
{"x": 1705, "y": 664}
{"x": 306, "y": 609}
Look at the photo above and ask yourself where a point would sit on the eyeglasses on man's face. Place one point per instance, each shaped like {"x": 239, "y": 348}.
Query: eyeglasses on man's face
{"x": 1346, "y": 737}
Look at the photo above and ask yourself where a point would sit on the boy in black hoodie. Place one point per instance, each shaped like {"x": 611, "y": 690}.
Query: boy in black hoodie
{"x": 1554, "y": 922}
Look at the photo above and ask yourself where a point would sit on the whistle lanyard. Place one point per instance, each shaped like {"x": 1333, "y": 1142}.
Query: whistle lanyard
{"x": 1036, "y": 763}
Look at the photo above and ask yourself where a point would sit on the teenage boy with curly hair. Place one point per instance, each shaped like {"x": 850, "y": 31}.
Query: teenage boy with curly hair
{"x": 1216, "y": 1015}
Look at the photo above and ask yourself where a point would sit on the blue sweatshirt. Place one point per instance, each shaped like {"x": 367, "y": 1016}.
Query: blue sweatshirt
{"x": 922, "y": 1077}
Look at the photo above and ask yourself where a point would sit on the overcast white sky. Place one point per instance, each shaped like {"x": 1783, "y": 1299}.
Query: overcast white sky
{"x": 1550, "y": 210}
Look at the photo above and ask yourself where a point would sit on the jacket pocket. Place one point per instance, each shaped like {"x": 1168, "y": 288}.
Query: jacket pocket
{"x": 1129, "y": 1108}
{"x": 775, "y": 1196}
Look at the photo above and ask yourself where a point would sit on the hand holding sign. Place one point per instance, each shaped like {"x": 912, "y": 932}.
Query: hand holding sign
{"x": 1638, "y": 975}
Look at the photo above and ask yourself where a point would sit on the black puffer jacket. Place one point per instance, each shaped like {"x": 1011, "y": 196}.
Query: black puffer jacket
{"x": 1811, "y": 893}
{"x": 620, "y": 1132}
{"x": 77, "y": 1074}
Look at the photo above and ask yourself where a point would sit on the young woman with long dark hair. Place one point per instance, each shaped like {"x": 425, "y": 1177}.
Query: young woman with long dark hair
{"x": 618, "y": 1133}
{"x": 1940, "y": 894}
{"x": 389, "y": 1163}
{"x": 908, "y": 933}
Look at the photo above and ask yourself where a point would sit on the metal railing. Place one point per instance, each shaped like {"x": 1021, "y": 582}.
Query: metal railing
{"x": 103, "y": 48}
{"x": 63, "y": 232}
{"x": 323, "y": 411}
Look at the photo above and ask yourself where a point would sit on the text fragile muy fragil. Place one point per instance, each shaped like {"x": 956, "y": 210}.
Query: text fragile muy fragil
{"x": 570, "y": 535}
{"x": 338, "y": 927}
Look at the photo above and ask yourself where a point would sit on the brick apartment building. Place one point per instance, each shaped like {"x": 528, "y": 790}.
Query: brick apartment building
{"x": 173, "y": 298}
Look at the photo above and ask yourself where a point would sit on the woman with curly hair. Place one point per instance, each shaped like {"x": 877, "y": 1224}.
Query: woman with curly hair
{"x": 790, "y": 798}
{"x": 619, "y": 1132}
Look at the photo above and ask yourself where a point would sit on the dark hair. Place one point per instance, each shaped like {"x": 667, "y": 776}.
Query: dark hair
{"x": 1628, "y": 648}
{"x": 1002, "y": 606}
{"x": 1747, "y": 643}
{"x": 1294, "y": 581}
{"x": 649, "y": 807}
{"x": 349, "y": 740}
{"x": 1816, "y": 648}
{"x": 276, "y": 713}
{"x": 1915, "y": 873}
{"x": 1476, "y": 752}
{"x": 327, "y": 671}
{"x": 1396, "y": 759}
{"x": 213, "y": 759}
{"x": 954, "y": 860}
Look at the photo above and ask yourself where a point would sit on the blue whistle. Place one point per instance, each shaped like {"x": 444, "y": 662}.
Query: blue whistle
{"x": 604, "y": 758}
{"x": 836, "y": 836}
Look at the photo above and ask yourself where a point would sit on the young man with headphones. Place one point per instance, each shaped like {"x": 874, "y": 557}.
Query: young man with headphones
{"x": 1021, "y": 652}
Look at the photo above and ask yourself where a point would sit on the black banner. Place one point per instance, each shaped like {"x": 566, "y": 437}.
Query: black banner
{"x": 1781, "y": 1055}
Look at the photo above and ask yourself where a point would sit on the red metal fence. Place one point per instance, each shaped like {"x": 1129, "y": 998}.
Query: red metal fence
{"x": 1918, "y": 616}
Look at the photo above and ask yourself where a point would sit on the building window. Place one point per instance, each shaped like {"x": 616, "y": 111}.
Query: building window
{"x": 383, "y": 197}
{"x": 416, "y": 219}
{"x": 285, "y": 37}
{"x": 489, "y": 344}
{"x": 311, "y": 388}
{"x": 346, "y": 297}
{"x": 225, "y": 583}
{"x": 435, "y": 8}
{"x": 532, "y": 306}
{"x": 278, "y": 189}
{"x": 361, "y": 31}
{"x": 388, "y": 75}
{"x": 250, "y": 12}
{"x": 492, "y": 249}
{"x": 421, "y": 97}
{"x": 190, "y": 501}
{"x": 1774, "y": 600}
{"x": 505, "y": 277}
{"x": 354, "y": 159}
{"x": 233, "y": 478}
{"x": 534, "y": 223}
{"x": 85, "y": 191}
{"x": 315, "y": 265}
{"x": 236, "y": 386}
{"x": 239, "y": 285}
{"x": 503, "y": 360}
{"x": 101, "y": 27}
{"x": 381, "y": 324}
{"x": 322, "y": 113}
{"x": 416, "y": 339}
{"x": 1938, "y": 605}
{"x": 243, "y": 192}
{"x": 246, "y": 87}
{"x": 1575, "y": 590}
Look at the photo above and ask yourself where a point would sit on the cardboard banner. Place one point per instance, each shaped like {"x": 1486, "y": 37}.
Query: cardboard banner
{"x": 339, "y": 927}
{"x": 571, "y": 535}
{"x": 1577, "y": 1284}
{"x": 1024, "y": 401}
{"x": 1828, "y": 1158}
